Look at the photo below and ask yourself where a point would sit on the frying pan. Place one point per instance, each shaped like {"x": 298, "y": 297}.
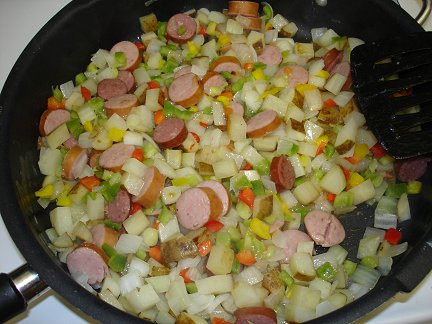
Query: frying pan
{"x": 79, "y": 30}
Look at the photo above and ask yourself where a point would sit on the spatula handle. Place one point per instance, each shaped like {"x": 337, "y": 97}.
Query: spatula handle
{"x": 424, "y": 12}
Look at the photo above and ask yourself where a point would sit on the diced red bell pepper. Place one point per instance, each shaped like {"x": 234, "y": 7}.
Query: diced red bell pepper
{"x": 330, "y": 103}
{"x": 196, "y": 137}
{"x": 186, "y": 278}
{"x": 138, "y": 154}
{"x": 134, "y": 208}
{"x": 247, "y": 196}
{"x": 53, "y": 103}
{"x": 218, "y": 320}
{"x": 246, "y": 257}
{"x": 378, "y": 151}
{"x": 90, "y": 182}
{"x": 214, "y": 226}
{"x": 393, "y": 236}
{"x": 331, "y": 196}
{"x": 247, "y": 166}
{"x": 203, "y": 124}
{"x": 85, "y": 93}
{"x": 155, "y": 253}
{"x": 140, "y": 46}
{"x": 153, "y": 84}
{"x": 205, "y": 247}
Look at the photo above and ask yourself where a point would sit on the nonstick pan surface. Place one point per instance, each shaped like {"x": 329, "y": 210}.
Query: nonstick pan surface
{"x": 19, "y": 127}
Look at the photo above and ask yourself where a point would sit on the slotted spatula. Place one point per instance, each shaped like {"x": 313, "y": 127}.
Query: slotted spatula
{"x": 392, "y": 80}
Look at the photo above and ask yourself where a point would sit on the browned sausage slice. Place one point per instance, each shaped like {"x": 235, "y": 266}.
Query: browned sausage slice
{"x": 184, "y": 70}
{"x": 104, "y": 235}
{"x": 109, "y": 88}
{"x": 186, "y": 90}
{"x": 170, "y": 133}
{"x": 154, "y": 182}
{"x": 74, "y": 162}
{"x": 118, "y": 209}
{"x": 181, "y": 28}
{"x": 128, "y": 79}
{"x": 132, "y": 54}
{"x": 256, "y": 315}
{"x": 114, "y": 157}
{"x": 121, "y": 105}
{"x": 411, "y": 169}
{"x": 237, "y": 108}
{"x": 262, "y": 123}
{"x": 331, "y": 58}
{"x": 324, "y": 228}
{"x": 282, "y": 173}
{"x": 226, "y": 63}
{"x": 221, "y": 192}
{"x": 296, "y": 74}
{"x": 90, "y": 260}
{"x": 289, "y": 240}
{"x": 51, "y": 119}
{"x": 213, "y": 79}
{"x": 249, "y": 23}
{"x": 70, "y": 142}
{"x": 246, "y": 8}
{"x": 196, "y": 206}
{"x": 271, "y": 55}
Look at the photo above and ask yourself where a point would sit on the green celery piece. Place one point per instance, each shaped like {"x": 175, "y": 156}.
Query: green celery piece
{"x": 108, "y": 191}
{"x": 208, "y": 111}
{"x": 240, "y": 245}
{"x": 149, "y": 150}
{"x": 268, "y": 12}
{"x": 414, "y": 187}
{"x": 161, "y": 29}
{"x": 349, "y": 267}
{"x": 169, "y": 66}
{"x": 191, "y": 288}
{"x": 223, "y": 238}
{"x": 263, "y": 167}
{"x": 258, "y": 247}
{"x": 298, "y": 181}
{"x": 80, "y": 79}
{"x": 165, "y": 216}
{"x": 75, "y": 127}
{"x": 326, "y": 272}
{"x": 286, "y": 278}
{"x": 234, "y": 233}
{"x": 236, "y": 267}
{"x": 120, "y": 59}
{"x": 166, "y": 49}
{"x": 318, "y": 173}
{"x": 258, "y": 187}
{"x": 57, "y": 93}
{"x": 374, "y": 177}
{"x": 141, "y": 254}
{"x": 242, "y": 183}
{"x": 329, "y": 151}
{"x": 92, "y": 68}
{"x": 111, "y": 224}
{"x": 184, "y": 114}
{"x": 109, "y": 250}
{"x": 259, "y": 65}
{"x": 302, "y": 211}
{"x": 117, "y": 262}
{"x": 344, "y": 199}
{"x": 370, "y": 261}
{"x": 226, "y": 75}
{"x": 97, "y": 104}
{"x": 395, "y": 190}
{"x": 238, "y": 85}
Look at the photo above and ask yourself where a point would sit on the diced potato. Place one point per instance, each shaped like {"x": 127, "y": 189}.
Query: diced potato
{"x": 304, "y": 296}
{"x": 246, "y": 295}
{"x": 220, "y": 260}
{"x": 136, "y": 223}
{"x": 236, "y": 127}
{"x": 302, "y": 266}
{"x": 363, "y": 192}
{"x": 142, "y": 299}
{"x": 225, "y": 169}
{"x": 61, "y": 220}
{"x": 306, "y": 192}
{"x": 334, "y": 181}
{"x": 218, "y": 284}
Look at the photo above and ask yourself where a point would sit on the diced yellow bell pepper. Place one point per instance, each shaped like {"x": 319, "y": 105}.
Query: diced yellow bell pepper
{"x": 193, "y": 48}
{"x": 115, "y": 134}
{"x": 304, "y": 160}
{"x": 45, "y": 192}
{"x": 223, "y": 40}
{"x": 225, "y": 100}
{"x": 323, "y": 139}
{"x": 360, "y": 151}
{"x": 355, "y": 179}
{"x": 193, "y": 109}
{"x": 272, "y": 91}
{"x": 64, "y": 201}
{"x": 260, "y": 228}
{"x": 323, "y": 74}
{"x": 88, "y": 126}
{"x": 258, "y": 74}
{"x": 180, "y": 182}
{"x": 414, "y": 187}
{"x": 284, "y": 207}
{"x": 301, "y": 88}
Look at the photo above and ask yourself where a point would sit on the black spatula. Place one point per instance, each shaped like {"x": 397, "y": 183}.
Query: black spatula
{"x": 392, "y": 80}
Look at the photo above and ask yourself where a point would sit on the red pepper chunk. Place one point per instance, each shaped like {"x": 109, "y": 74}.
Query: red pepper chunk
{"x": 138, "y": 154}
{"x": 378, "y": 151}
{"x": 90, "y": 182}
{"x": 186, "y": 278}
{"x": 202, "y": 31}
{"x": 134, "y": 208}
{"x": 393, "y": 236}
{"x": 214, "y": 226}
{"x": 247, "y": 196}
{"x": 153, "y": 84}
{"x": 330, "y": 103}
{"x": 246, "y": 257}
{"x": 219, "y": 320}
{"x": 140, "y": 46}
{"x": 247, "y": 166}
{"x": 85, "y": 93}
{"x": 53, "y": 103}
{"x": 196, "y": 137}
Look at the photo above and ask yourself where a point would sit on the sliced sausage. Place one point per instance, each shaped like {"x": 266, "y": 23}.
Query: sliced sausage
{"x": 262, "y": 123}
{"x": 342, "y": 68}
{"x": 109, "y": 88}
{"x": 154, "y": 182}
{"x": 246, "y": 8}
{"x": 186, "y": 90}
{"x": 184, "y": 70}
{"x": 70, "y": 142}
{"x": 213, "y": 79}
{"x": 249, "y": 23}
{"x": 324, "y": 228}
{"x": 220, "y": 191}
{"x": 128, "y": 79}
{"x": 94, "y": 157}
{"x": 132, "y": 54}
{"x": 118, "y": 209}
{"x": 226, "y": 63}
{"x": 296, "y": 74}
{"x": 196, "y": 206}
{"x": 88, "y": 259}
{"x": 74, "y": 162}
{"x": 51, "y": 119}
{"x": 288, "y": 241}
{"x": 237, "y": 108}
{"x": 256, "y": 315}
{"x": 170, "y": 133}
{"x": 181, "y": 28}
{"x": 178, "y": 249}
{"x": 411, "y": 169}
{"x": 271, "y": 55}
{"x": 114, "y": 157}
{"x": 331, "y": 58}
{"x": 121, "y": 105}
{"x": 282, "y": 173}
{"x": 104, "y": 235}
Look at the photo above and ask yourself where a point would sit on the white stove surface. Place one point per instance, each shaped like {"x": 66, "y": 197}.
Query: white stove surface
{"x": 19, "y": 22}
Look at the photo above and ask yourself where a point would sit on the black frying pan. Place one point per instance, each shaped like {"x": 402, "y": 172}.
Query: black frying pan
{"x": 79, "y": 30}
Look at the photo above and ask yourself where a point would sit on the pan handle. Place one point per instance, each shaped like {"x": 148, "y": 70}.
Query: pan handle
{"x": 424, "y": 12}
{"x": 17, "y": 289}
